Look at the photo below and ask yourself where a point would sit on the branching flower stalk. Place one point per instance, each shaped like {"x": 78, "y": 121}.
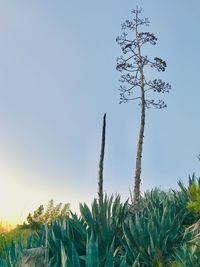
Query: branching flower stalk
{"x": 135, "y": 86}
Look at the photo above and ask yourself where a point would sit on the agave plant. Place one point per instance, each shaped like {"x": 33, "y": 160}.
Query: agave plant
{"x": 63, "y": 235}
{"x": 12, "y": 255}
{"x": 156, "y": 231}
{"x": 181, "y": 199}
{"x": 106, "y": 219}
{"x": 109, "y": 234}
{"x": 73, "y": 240}
{"x": 186, "y": 255}
{"x": 92, "y": 258}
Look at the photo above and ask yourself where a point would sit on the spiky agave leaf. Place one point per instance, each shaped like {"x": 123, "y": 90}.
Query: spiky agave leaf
{"x": 92, "y": 253}
{"x": 186, "y": 255}
{"x": 105, "y": 219}
{"x": 156, "y": 231}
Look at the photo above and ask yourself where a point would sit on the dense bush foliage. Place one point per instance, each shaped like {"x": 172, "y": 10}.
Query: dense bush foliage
{"x": 7, "y": 238}
{"x": 194, "y": 193}
{"x": 166, "y": 232}
{"x": 41, "y": 215}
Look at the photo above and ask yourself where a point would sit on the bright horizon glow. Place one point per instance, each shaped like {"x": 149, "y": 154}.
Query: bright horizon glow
{"x": 20, "y": 197}
{"x": 23, "y": 196}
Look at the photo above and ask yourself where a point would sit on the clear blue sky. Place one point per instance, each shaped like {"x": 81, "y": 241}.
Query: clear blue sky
{"x": 58, "y": 77}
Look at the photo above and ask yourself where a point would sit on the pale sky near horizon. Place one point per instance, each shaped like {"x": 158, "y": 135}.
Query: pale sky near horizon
{"x": 58, "y": 77}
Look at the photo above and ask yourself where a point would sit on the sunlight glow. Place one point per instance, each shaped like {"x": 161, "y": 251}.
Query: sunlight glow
{"x": 18, "y": 198}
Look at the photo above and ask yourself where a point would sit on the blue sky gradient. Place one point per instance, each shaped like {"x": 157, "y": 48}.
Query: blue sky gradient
{"x": 58, "y": 77}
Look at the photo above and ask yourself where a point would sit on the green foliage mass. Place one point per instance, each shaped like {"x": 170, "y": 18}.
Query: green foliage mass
{"x": 194, "y": 193}
{"x": 164, "y": 234}
{"x": 46, "y": 216}
{"x": 34, "y": 222}
{"x": 7, "y": 238}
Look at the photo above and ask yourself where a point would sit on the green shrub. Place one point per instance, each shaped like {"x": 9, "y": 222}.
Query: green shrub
{"x": 194, "y": 193}
{"x": 6, "y": 239}
{"x": 43, "y": 216}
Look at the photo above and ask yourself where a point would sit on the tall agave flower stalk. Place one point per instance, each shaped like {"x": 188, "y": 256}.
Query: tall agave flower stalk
{"x": 100, "y": 178}
{"x": 135, "y": 84}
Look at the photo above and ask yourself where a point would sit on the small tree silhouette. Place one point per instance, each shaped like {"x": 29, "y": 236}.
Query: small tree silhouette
{"x": 135, "y": 86}
{"x": 43, "y": 216}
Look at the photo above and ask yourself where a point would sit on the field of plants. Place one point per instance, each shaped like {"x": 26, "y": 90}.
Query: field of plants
{"x": 164, "y": 233}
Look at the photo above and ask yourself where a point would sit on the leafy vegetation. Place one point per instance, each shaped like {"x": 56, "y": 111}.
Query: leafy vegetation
{"x": 46, "y": 216}
{"x": 35, "y": 221}
{"x": 194, "y": 193}
{"x": 8, "y": 238}
{"x": 164, "y": 233}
